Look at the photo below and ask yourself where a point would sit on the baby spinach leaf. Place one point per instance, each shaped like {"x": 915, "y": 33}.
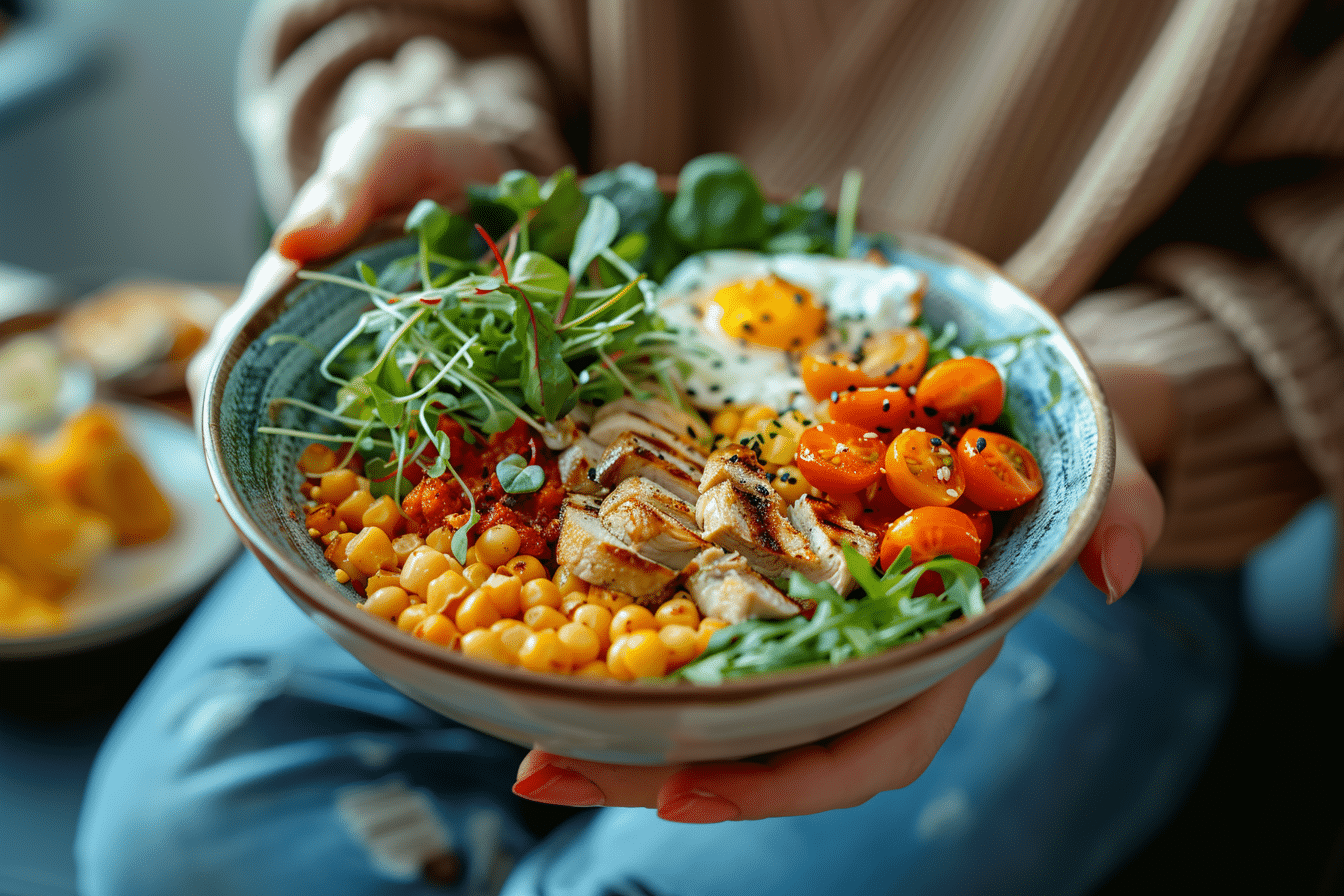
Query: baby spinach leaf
{"x": 718, "y": 205}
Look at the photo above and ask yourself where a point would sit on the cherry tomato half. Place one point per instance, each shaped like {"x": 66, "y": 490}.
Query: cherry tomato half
{"x": 931, "y": 532}
{"x": 883, "y": 410}
{"x": 922, "y": 470}
{"x": 1001, "y": 473}
{"x": 839, "y": 458}
{"x": 961, "y": 392}
{"x": 984, "y": 523}
{"x": 874, "y": 507}
{"x": 890, "y": 358}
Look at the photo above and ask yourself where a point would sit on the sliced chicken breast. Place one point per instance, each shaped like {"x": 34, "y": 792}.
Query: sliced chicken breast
{"x": 655, "y": 522}
{"x": 826, "y": 528}
{"x": 595, "y": 554}
{"x": 725, "y": 586}
{"x": 632, "y": 454}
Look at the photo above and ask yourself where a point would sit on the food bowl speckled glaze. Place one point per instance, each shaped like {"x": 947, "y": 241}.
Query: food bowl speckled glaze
{"x": 1055, "y": 406}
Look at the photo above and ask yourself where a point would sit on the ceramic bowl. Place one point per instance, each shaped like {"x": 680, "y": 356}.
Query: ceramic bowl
{"x": 1055, "y": 404}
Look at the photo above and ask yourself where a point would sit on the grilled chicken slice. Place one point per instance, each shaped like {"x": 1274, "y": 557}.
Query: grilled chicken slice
{"x": 655, "y": 522}
{"x": 740, "y": 511}
{"x": 632, "y": 454}
{"x": 688, "y": 428}
{"x": 578, "y": 466}
{"x": 593, "y": 553}
{"x": 826, "y": 528}
{"x": 725, "y": 586}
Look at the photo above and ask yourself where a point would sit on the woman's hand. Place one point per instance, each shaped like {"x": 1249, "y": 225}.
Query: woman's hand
{"x": 889, "y": 752}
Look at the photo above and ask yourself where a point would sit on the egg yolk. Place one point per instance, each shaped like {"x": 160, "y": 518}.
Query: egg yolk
{"x": 770, "y": 312}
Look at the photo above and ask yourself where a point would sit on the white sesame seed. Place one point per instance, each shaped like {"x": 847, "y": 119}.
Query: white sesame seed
{"x": 954, "y": 493}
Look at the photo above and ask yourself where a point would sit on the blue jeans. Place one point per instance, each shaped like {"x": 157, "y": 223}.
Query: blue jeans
{"x": 232, "y": 769}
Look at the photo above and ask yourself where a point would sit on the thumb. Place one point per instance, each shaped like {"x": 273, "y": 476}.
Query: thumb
{"x": 1143, "y": 404}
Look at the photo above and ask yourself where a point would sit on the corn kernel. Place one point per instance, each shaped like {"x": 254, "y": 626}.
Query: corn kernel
{"x": 612, "y": 600}
{"x": 778, "y": 449}
{"x": 581, "y": 641}
{"x": 441, "y": 540}
{"x": 568, "y": 583}
{"x": 381, "y": 579}
{"x": 386, "y": 603}
{"x": 337, "y": 553}
{"x": 504, "y": 592}
{"x": 351, "y": 510}
{"x": 317, "y": 459}
{"x": 498, "y": 545}
{"x": 371, "y": 550}
{"x": 385, "y": 513}
{"x": 438, "y": 630}
{"x": 444, "y": 593}
{"x": 322, "y": 520}
{"x": 726, "y": 422}
{"x": 645, "y": 655}
{"x": 512, "y": 635}
{"x": 544, "y": 652}
{"x": 405, "y": 544}
{"x": 423, "y": 566}
{"x": 596, "y": 669}
{"x": 616, "y": 662}
{"x": 409, "y": 618}
{"x": 337, "y": 485}
{"x": 631, "y": 618}
{"x": 756, "y": 415}
{"x": 538, "y": 618}
{"x": 680, "y": 641}
{"x": 597, "y": 618}
{"x": 677, "y": 611}
{"x": 790, "y": 484}
{"x": 571, "y": 602}
{"x": 708, "y": 626}
{"x": 525, "y": 567}
{"x": 475, "y": 611}
{"x": 484, "y": 644}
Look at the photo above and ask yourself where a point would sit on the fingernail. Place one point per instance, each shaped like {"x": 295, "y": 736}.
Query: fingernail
{"x": 699, "y": 807}
{"x": 1121, "y": 559}
{"x": 552, "y": 784}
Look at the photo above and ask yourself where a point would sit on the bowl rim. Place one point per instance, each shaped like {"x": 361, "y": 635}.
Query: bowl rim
{"x": 320, "y": 597}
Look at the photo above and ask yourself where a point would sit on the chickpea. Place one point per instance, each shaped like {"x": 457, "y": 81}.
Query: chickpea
{"x": 631, "y": 618}
{"x": 498, "y": 545}
{"x": 544, "y": 652}
{"x": 540, "y": 593}
{"x": 525, "y": 567}
{"x": 645, "y": 655}
{"x": 678, "y": 611}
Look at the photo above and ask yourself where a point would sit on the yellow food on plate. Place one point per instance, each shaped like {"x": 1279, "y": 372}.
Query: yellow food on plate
{"x": 91, "y": 464}
{"x": 68, "y": 502}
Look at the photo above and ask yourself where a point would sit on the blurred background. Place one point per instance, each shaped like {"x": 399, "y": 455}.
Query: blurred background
{"x": 117, "y": 146}
{"x": 119, "y": 159}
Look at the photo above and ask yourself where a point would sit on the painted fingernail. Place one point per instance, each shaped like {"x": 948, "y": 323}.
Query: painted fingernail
{"x": 699, "y": 807}
{"x": 552, "y": 784}
{"x": 1121, "y": 559}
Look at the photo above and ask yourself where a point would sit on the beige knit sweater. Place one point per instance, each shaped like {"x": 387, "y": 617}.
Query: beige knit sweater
{"x": 1163, "y": 171}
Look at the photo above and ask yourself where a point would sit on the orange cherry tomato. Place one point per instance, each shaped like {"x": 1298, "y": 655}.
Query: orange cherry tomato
{"x": 959, "y": 392}
{"x": 922, "y": 470}
{"x": 883, "y": 410}
{"x": 873, "y": 508}
{"x": 931, "y": 532}
{"x": 839, "y": 458}
{"x": 1001, "y": 473}
{"x": 984, "y": 523}
{"x": 890, "y": 358}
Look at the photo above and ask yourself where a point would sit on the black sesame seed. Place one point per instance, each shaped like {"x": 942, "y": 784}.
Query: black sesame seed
{"x": 851, "y": 388}
{"x": 592, "y": 474}
{"x": 766, "y": 318}
{"x": 713, "y": 387}
{"x": 798, "y": 298}
{"x": 746, "y": 326}
{"x": 690, "y": 430}
{"x": 935, "y": 441}
{"x": 930, "y": 412}
{"x": 886, "y": 405}
{"x": 980, "y": 444}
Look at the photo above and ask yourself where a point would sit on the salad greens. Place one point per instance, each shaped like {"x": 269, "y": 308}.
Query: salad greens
{"x": 837, "y": 629}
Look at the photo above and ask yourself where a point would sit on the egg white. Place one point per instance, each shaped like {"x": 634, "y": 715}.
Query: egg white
{"x": 860, "y": 297}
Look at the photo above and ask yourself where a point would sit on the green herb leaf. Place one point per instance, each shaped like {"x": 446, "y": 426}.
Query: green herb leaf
{"x": 718, "y": 205}
{"x": 596, "y": 232}
{"x": 458, "y": 545}
{"x": 517, "y": 477}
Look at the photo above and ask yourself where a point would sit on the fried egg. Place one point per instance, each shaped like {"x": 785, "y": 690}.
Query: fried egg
{"x": 748, "y": 317}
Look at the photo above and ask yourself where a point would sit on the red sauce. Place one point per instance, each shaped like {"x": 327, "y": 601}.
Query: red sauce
{"x": 436, "y": 502}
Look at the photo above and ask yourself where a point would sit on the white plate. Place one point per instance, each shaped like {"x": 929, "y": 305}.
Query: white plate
{"x": 133, "y": 588}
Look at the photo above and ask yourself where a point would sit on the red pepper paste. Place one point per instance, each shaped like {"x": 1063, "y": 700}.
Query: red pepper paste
{"x": 437, "y": 502}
